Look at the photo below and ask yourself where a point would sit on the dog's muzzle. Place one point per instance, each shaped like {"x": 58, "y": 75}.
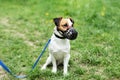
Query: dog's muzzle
{"x": 70, "y": 34}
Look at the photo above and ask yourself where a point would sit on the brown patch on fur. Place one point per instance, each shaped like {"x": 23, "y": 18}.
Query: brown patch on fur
{"x": 62, "y": 26}
{"x": 63, "y": 23}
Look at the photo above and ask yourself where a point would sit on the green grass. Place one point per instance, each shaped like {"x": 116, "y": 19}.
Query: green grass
{"x": 26, "y": 25}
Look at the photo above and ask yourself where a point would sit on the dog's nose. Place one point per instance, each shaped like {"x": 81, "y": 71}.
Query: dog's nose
{"x": 71, "y": 33}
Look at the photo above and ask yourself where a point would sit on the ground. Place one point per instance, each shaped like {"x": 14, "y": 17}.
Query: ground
{"x": 26, "y": 25}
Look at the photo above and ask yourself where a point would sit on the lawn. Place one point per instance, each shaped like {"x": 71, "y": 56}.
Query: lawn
{"x": 26, "y": 26}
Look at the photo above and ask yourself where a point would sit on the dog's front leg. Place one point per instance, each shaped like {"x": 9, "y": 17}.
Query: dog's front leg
{"x": 54, "y": 69}
{"x": 66, "y": 61}
{"x": 48, "y": 61}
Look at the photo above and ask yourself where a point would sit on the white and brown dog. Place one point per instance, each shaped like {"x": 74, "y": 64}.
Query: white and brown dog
{"x": 59, "y": 47}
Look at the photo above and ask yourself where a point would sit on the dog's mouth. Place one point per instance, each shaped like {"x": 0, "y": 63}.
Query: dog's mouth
{"x": 70, "y": 34}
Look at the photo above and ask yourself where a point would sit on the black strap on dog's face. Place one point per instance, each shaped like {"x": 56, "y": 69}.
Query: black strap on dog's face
{"x": 61, "y": 33}
{"x": 70, "y": 34}
{"x": 59, "y": 36}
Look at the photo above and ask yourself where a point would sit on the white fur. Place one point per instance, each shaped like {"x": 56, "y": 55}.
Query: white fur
{"x": 69, "y": 22}
{"x": 59, "y": 52}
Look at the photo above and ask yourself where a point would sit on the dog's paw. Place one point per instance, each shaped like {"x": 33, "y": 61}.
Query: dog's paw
{"x": 43, "y": 68}
{"x": 54, "y": 71}
{"x": 65, "y": 74}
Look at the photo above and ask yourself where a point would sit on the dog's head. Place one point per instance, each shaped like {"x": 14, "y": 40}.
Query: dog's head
{"x": 65, "y": 26}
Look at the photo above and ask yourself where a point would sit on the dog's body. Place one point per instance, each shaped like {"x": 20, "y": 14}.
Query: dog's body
{"x": 59, "y": 50}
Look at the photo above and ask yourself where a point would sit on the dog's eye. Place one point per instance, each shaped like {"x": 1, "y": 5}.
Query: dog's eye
{"x": 65, "y": 25}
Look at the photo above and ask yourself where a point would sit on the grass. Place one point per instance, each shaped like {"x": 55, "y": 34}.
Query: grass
{"x": 26, "y": 25}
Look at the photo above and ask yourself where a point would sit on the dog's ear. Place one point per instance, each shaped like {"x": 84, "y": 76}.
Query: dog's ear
{"x": 71, "y": 20}
{"x": 57, "y": 21}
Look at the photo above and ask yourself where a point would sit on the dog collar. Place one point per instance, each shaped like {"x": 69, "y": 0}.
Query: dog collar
{"x": 59, "y": 36}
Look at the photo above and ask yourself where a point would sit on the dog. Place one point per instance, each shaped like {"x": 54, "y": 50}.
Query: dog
{"x": 59, "y": 47}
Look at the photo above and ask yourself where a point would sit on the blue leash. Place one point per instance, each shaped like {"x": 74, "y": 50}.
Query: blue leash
{"x": 24, "y": 76}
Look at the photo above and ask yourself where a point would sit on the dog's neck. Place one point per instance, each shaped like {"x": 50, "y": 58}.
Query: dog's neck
{"x": 58, "y": 34}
